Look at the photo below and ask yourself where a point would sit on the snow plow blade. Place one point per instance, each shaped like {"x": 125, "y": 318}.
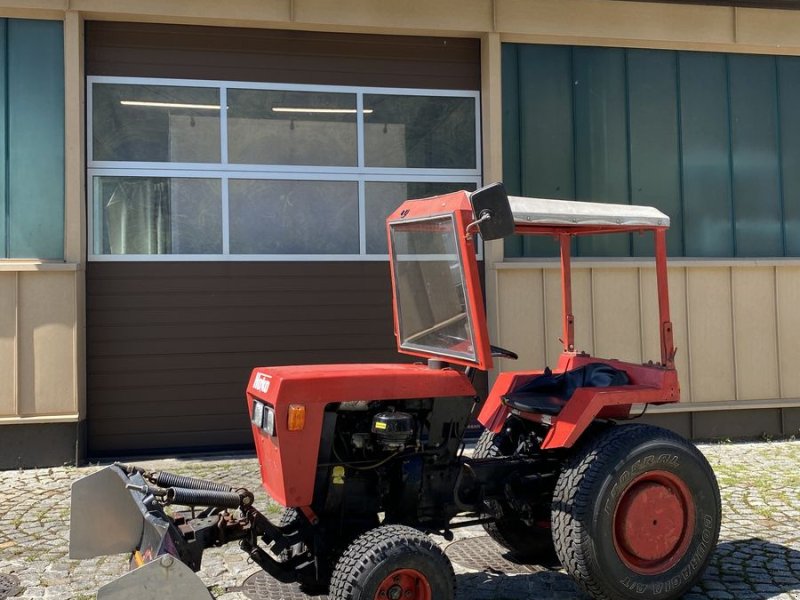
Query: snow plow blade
{"x": 129, "y": 509}
{"x": 105, "y": 517}
{"x": 165, "y": 577}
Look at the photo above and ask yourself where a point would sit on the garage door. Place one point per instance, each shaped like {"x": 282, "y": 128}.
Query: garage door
{"x": 238, "y": 179}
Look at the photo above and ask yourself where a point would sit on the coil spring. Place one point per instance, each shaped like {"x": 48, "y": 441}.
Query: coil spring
{"x": 170, "y": 480}
{"x": 215, "y": 498}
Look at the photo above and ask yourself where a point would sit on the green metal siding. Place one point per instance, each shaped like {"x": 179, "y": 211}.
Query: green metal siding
{"x": 789, "y": 101}
{"x": 601, "y": 138}
{"x": 654, "y": 140}
{"x": 32, "y": 138}
{"x": 757, "y": 210}
{"x": 711, "y": 139}
{"x": 705, "y": 156}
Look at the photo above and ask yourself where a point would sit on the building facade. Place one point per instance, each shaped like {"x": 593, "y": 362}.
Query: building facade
{"x": 193, "y": 188}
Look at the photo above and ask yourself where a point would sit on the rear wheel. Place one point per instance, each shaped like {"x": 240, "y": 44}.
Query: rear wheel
{"x": 528, "y": 543}
{"x": 636, "y": 514}
{"x": 393, "y": 562}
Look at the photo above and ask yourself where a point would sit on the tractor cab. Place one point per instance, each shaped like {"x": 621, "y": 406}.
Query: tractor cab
{"x": 439, "y": 311}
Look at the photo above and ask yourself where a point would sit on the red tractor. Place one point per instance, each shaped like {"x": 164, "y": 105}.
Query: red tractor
{"x": 368, "y": 460}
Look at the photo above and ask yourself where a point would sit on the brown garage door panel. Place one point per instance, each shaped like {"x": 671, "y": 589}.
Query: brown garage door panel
{"x": 217, "y": 53}
{"x": 235, "y": 360}
{"x": 197, "y": 330}
{"x": 147, "y": 442}
{"x": 179, "y": 382}
{"x": 111, "y": 316}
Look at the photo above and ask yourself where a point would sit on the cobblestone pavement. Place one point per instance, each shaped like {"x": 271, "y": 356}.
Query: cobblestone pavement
{"x": 758, "y": 557}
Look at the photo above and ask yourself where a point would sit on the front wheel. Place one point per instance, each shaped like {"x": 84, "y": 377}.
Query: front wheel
{"x": 393, "y": 562}
{"x": 636, "y": 514}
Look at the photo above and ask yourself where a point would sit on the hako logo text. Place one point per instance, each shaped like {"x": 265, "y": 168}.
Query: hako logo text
{"x": 261, "y": 383}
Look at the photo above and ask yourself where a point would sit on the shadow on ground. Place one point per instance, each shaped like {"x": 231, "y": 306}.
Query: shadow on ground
{"x": 751, "y": 569}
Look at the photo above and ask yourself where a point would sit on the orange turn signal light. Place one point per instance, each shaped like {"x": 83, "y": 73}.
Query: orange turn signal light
{"x": 297, "y": 417}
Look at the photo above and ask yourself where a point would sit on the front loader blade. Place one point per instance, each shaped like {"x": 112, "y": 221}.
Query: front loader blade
{"x": 164, "y": 577}
{"x": 104, "y": 516}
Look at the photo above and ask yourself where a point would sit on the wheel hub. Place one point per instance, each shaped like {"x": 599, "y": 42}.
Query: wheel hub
{"x": 653, "y": 522}
{"x": 404, "y": 584}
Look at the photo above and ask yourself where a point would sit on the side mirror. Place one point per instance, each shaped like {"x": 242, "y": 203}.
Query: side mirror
{"x": 492, "y": 212}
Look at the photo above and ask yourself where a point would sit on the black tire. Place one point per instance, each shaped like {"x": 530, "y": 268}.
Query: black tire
{"x": 525, "y": 542}
{"x": 636, "y": 514}
{"x": 380, "y": 554}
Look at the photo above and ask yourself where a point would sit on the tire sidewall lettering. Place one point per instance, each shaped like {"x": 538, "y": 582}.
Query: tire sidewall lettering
{"x": 664, "y": 585}
{"x": 669, "y": 461}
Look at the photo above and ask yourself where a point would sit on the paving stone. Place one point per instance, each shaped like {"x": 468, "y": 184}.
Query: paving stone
{"x": 758, "y": 557}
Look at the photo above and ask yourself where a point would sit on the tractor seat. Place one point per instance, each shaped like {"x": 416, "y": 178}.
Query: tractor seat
{"x": 548, "y": 393}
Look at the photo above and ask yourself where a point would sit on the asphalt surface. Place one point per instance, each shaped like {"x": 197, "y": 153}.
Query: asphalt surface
{"x": 758, "y": 557}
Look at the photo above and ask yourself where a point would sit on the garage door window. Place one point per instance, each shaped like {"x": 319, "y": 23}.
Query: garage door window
{"x": 223, "y": 170}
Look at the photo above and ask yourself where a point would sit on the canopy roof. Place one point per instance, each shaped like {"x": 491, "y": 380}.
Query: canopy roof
{"x": 542, "y": 211}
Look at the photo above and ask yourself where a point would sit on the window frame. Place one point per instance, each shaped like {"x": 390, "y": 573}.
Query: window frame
{"x": 226, "y": 171}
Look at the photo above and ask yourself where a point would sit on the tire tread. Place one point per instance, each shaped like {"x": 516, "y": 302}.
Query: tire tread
{"x": 370, "y": 549}
{"x": 573, "y": 499}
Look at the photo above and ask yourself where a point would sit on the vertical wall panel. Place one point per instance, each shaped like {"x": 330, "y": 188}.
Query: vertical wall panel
{"x": 788, "y": 292}
{"x": 512, "y": 178}
{"x": 553, "y": 324}
{"x": 601, "y": 138}
{"x": 46, "y": 343}
{"x": 680, "y": 330}
{"x": 654, "y": 155}
{"x": 8, "y": 338}
{"x": 789, "y": 101}
{"x": 3, "y": 134}
{"x": 545, "y": 131}
{"x": 582, "y": 309}
{"x": 754, "y": 151}
{"x": 705, "y": 147}
{"x": 521, "y": 310}
{"x": 755, "y": 333}
{"x": 546, "y": 122}
{"x": 615, "y": 294}
{"x": 36, "y": 138}
{"x": 648, "y": 294}
{"x": 711, "y": 334}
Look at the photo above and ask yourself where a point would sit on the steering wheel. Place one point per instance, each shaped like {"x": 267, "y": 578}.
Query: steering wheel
{"x": 498, "y": 352}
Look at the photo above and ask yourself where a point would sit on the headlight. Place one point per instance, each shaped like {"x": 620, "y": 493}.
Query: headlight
{"x": 264, "y": 417}
{"x": 258, "y": 414}
{"x": 269, "y": 422}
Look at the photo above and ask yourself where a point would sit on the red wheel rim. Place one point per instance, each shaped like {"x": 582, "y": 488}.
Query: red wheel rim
{"x": 653, "y": 522}
{"x": 404, "y": 584}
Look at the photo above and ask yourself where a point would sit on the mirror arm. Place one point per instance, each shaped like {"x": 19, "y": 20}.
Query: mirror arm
{"x": 485, "y": 215}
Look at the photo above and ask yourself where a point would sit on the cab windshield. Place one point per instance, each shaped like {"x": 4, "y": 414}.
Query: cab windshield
{"x": 432, "y": 310}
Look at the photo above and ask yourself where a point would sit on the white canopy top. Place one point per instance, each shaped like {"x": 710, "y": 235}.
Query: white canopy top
{"x": 542, "y": 211}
